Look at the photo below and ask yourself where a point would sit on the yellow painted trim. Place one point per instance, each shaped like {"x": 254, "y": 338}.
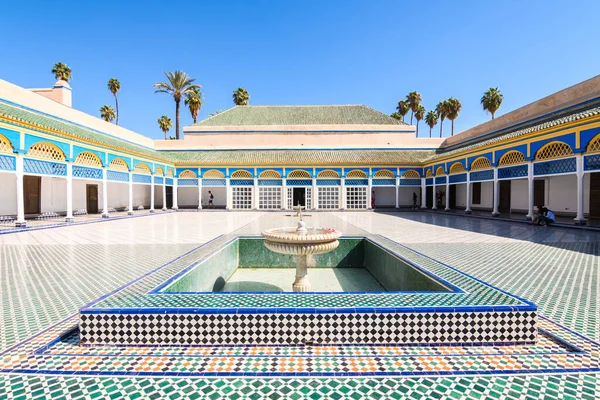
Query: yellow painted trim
{"x": 578, "y": 139}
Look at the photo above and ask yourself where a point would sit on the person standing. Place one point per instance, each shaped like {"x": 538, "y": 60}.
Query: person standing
{"x": 415, "y": 198}
{"x": 373, "y": 199}
{"x": 211, "y": 199}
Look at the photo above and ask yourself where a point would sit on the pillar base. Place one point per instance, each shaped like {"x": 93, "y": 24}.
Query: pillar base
{"x": 21, "y": 224}
{"x": 105, "y": 215}
{"x": 200, "y": 208}
{"x": 152, "y": 211}
{"x": 130, "y": 212}
{"x": 580, "y": 222}
{"x": 69, "y": 219}
{"x": 468, "y": 212}
{"x": 446, "y": 209}
{"x": 174, "y": 208}
{"x": 495, "y": 214}
{"x": 164, "y": 208}
{"x": 434, "y": 208}
{"x": 423, "y": 207}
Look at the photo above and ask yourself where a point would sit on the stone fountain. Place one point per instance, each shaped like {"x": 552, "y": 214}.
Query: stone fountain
{"x": 302, "y": 242}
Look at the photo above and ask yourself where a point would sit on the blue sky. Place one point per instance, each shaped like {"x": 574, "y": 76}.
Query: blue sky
{"x": 302, "y": 52}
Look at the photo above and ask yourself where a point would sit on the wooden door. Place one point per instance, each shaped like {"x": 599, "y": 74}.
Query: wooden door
{"x": 452, "y": 199}
{"x": 539, "y": 192}
{"x": 504, "y": 203}
{"x": 32, "y": 188}
{"x": 595, "y": 195}
{"x": 91, "y": 195}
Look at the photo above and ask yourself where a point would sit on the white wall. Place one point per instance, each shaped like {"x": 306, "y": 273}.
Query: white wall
{"x": 461, "y": 195}
{"x": 141, "y": 196}
{"x": 561, "y": 194}
{"x": 158, "y": 196}
{"x": 405, "y": 196}
{"x": 385, "y": 197}
{"x": 519, "y": 195}
{"x": 8, "y": 194}
{"x": 187, "y": 196}
{"x": 118, "y": 195}
{"x": 53, "y": 194}
{"x": 220, "y": 194}
{"x": 487, "y": 196}
{"x": 79, "y": 194}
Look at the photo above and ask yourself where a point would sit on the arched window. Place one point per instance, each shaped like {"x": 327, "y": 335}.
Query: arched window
{"x": 594, "y": 146}
{"x": 118, "y": 164}
{"x": 511, "y": 158}
{"x": 439, "y": 171}
{"x": 5, "y": 146}
{"x": 241, "y": 174}
{"x": 457, "y": 168}
{"x": 88, "y": 158}
{"x": 159, "y": 171}
{"x": 213, "y": 174}
{"x": 553, "y": 150}
{"x": 385, "y": 174}
{"x": 270, "y": 174}
{"x": 481, "y": 163}
{"x": 47, "y": 151}
{"x": 428, "y": 174}
{"x": 356, "y": 173}
{"x": 328, "y": 173}
{"x": 299, "y": 174}
{"x": 187, "y": 174}
{"x": 142, "y": 168}
{"x": 412, "y": 174}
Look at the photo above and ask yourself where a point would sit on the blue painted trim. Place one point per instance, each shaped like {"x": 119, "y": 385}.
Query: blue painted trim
{"x": 179, "y": 170}
{"x": 8, "y": 162}
{"x": 14, "y": 137}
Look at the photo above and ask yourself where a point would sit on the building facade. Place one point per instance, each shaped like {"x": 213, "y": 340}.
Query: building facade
{"x": 59, "y": 161}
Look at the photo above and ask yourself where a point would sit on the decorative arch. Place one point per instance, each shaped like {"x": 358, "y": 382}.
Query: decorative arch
{"x": 213, "y": 174}
{"x": 439, "y": 171}
{"x": 481, "y": 163}
{"x": 47, "y": 151}
{"x": 118, "y": 164}
{"x": 511, "y": 158}
{"x": 594, "y": 145}
{"x": 385, "y": 173}
{"x": 159, "y": 171}
{"x": 188, "y": 173}
{"x": 89, "y": 159}
{"x": 299, "y": 174}
{"x": 269, "y": 174}
{"x": 412, "y": 174}
{"x": 169, "y": 172}
{"x": 457, "y": 168}
{"x": 356, "y": 173}
{"x": 328, "y": 173}
{"x": 5, "y": 145}
{"x": 554, "y": 150}
{"x": 428, "y": 174}
{"x": 142, "y": 168}
{"x": 241, "y": 174}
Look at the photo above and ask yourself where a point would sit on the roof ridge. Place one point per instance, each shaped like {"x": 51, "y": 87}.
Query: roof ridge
{"x": 306, "y": 105}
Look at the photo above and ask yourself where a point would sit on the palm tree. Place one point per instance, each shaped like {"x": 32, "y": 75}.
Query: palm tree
{"x": 212, "y": 114}
{"x": 107, "y": 113}
{"x": 419, "y": 114}
{"x": 442, "y": 111}
{"x": 179, "y": 83}
{"x": 431, "y": 119}
{"x": 114, "y": 86}
{"x": 414, "y": 100}
{"x": 397, "y": 116}
{"x": 454, "y": 107}
{"x": 403, "y": 108}
{"x": 61, "y": 72}
{"x": 241, "y": 97}
{"x": 193, "y": 100}
{"x": 491, "y": 100}
{"x": 165, "y": 123}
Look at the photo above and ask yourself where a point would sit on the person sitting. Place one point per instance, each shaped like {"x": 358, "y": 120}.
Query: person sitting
{"x": 543, "y": 216}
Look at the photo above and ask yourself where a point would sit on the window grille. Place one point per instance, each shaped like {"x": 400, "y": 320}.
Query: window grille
{"x": 241, "y": 174}
{"x": 87, "y": 158}
{"x": 5, "y": 146}
{"x": 47, "y": 151}
{"x": 141, "y": 168}
{"x": 329, "y": 198}
{"x": 439, "y": 171}
{"x": 241, "y": 198}
{"x": 457, "y": 168}
{"x": 480, "y": 164}
{"x": 413, "y": 174}
{"x": 356, "y": 198}
{"x": 512, "y": 158}
{"x": 213, "y": 173}
{"x": 554, "y": 150}
{"x": 299, "y": 174}
{"x": 269, "y": 198}
{"x": 356, "y": 173}
{"x": 159, "y": 171}
{"x": 594, "y": 146}
{"x": 118, "y": 164}
{"x": 187, "y": 174}
{"x": 270, "y": 174}
{"x": 386, "y": 173}
{"x": 328, "y": 173}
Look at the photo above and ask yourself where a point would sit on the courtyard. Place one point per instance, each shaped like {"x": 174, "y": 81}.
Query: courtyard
{"x": 48, "y": 275}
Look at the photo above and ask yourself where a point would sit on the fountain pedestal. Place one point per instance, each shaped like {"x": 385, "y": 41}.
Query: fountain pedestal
{"x": 301, "y": 284}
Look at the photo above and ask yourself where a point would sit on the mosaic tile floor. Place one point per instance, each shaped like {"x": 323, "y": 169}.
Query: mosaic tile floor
{"x": 46, "y": 275}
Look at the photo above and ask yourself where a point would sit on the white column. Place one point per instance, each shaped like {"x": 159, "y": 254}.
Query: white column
{"x": 283, "y": 194}
{"x": 397, "y": 190}
{"x": 434, "y": 195}
{"x": 20, "y": 195}
{"x": 175, "y": 206}
{"x": 468, "y": 207}
{"x": 580, "y": 219}
{"x": 151, "y": 193}
{"x": 228, "y": 193}
{"x": 423, "y": 192}
{"x": 255, "y": 195}
{"x": 69, "y": 217}
{"x": 199, "y": 193}
{"x": 130, "y": 202}
{"x": 164, "y": 193}
{"x": 530, "y": 187}
{"x": 369, "y": 194}
{"x": 104, "y": 193}
{"x": 447, "y": 197}
{"x": 315, "y": 195}
{"x": 343, "y": 199}
{"x": 495, "y": 212}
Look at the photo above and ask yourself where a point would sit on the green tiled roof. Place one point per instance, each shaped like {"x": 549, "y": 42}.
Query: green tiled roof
{"x": 316, "y": 157}
{"x": 72, "y": 129}
{"x": 357, "y": 114}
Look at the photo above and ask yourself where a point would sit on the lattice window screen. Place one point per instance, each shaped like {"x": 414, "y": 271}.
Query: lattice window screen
{"x": 328, "y": 174}
{"x": 118, "y": 164}
{"x": 141, "y": 168}
{"x": 241, "y": 198}
{"x": 355, "y": 174}
{"x": 594, "y": 146}
{"x": 46, "y": 151}
{"x": 169, "y": 172}
{"x": 159, "y": 171}
{"x": 480, "y": 164}
{"x": 512, "y": 158}
{"x": 439, "y": 171}
{"x": 241, "y": 174}
{"x": 213, "y": 173}
{"x": 299, "y": 174}
{"x": 413, "y": 174}
{"x": 187, "y": 174}
{"x": 329, "y": 198}
{"x": 270, "y": 174}
{"x": 554, "y": 150}
{"x": 428, "y": 174}
{"x": 457, "y": 168}
{"x": 269, "y": 198}
{"x": 356, "y": 198}
{"x": 290, "y": 198}
{"x": 384, "y": 173}
{"x": 87, "y": 158}
{"x": 5, "y": 146}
